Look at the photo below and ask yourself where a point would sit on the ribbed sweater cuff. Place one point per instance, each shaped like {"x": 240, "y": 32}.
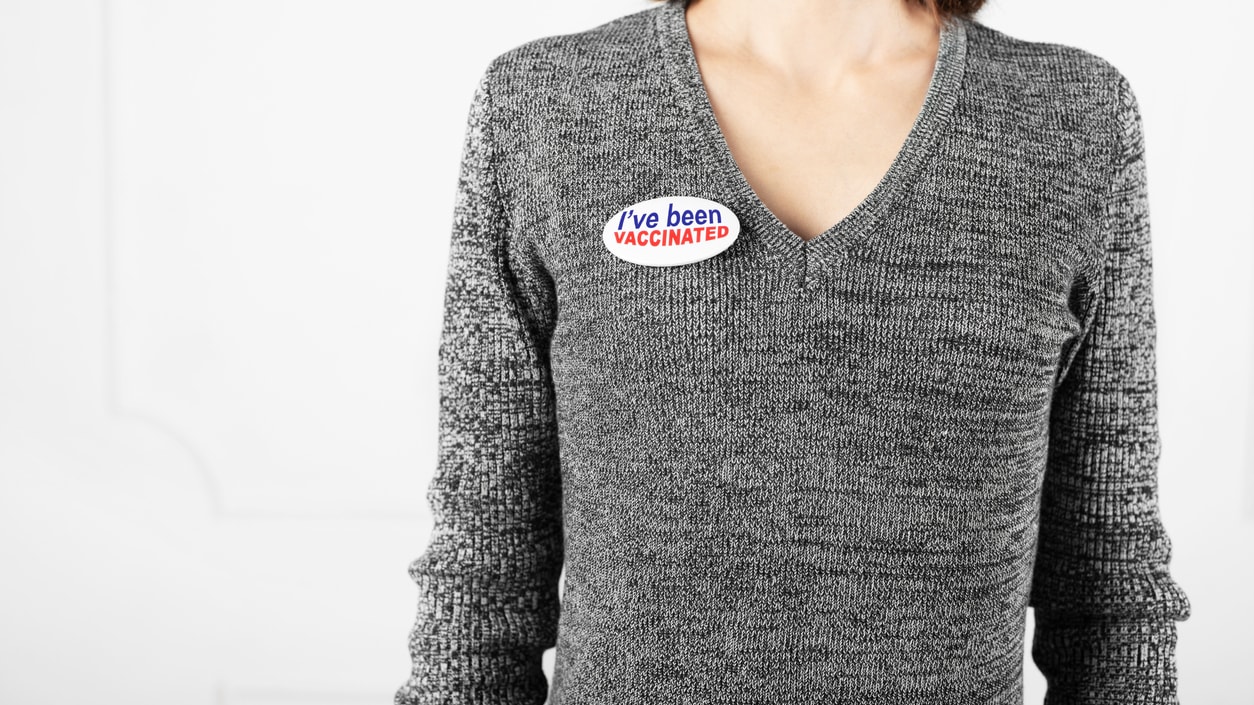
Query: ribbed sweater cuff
{"x": 447, "y": 677}
{"x": 1107, "y": 661}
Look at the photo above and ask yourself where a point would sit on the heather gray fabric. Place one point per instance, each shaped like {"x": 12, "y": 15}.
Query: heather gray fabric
{"x": 826, "y": 471}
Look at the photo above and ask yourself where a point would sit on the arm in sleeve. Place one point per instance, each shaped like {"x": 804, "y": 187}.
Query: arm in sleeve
{"x": 1105, "y": 604}
{"x": 488, "y": 600}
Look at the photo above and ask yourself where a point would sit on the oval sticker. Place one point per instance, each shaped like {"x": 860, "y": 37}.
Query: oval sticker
{"x": 671, "y": 230}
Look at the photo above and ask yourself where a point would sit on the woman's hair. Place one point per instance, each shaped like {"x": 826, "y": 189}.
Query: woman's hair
{"x": 940, "y": 8}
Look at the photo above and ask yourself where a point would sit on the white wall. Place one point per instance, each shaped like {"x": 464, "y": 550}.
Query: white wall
{"x": 222, "y": 244}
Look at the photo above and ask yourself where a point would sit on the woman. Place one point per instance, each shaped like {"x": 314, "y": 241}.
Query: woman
{"x": 815, "y": 339}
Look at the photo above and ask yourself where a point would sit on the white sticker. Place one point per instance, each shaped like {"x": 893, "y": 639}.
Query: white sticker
{"x": 671, "y": 230}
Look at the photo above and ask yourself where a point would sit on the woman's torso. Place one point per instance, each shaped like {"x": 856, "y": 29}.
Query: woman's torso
{"x": 800, "y": 471}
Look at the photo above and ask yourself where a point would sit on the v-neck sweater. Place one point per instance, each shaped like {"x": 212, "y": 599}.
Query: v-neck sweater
{"x": 835, "y": 470}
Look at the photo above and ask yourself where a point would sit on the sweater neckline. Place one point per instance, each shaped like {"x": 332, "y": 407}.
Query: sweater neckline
{"x": 942, "y": 93}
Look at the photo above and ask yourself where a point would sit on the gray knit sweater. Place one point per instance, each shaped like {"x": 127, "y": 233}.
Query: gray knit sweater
{"x": 827, "y": 471}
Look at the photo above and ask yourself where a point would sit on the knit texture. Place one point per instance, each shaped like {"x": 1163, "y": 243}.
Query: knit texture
{"x": 827, "y": 471}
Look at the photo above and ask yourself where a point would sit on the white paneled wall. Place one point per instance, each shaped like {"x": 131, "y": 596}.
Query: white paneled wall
{"x": 223, "y": 232}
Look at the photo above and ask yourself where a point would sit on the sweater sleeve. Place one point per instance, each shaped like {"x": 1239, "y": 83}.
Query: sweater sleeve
{"x": 1105, "y": 604}
{"x": 487, "y": 582}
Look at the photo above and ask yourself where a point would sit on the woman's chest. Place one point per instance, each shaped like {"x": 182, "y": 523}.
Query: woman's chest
{"x": 909, "y": 325}
{"x": 951, "y": 288}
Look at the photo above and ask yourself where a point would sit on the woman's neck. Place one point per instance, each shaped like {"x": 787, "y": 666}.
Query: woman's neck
{"x": 815, "y": 41}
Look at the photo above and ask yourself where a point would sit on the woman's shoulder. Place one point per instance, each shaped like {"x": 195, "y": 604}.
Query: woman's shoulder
{"x": 555, "y": 61}
{"x": 1067, "y": 98}
{"x": 999, "y": 60}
